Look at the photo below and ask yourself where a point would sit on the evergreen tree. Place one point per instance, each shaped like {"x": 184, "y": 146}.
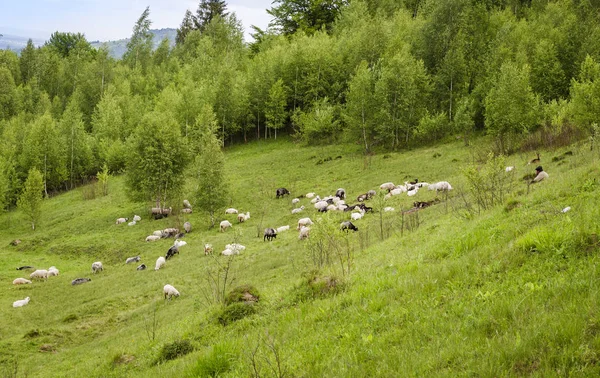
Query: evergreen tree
{"x": 207, "y": 10}
{"x": 30, "y": 201}
{"x": 309, "y": 16}
{"x": 187, "y": 25}
{"x": 63, "y": 43}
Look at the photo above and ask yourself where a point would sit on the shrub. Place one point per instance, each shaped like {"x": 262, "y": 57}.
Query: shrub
{"x": 236, "y": 311}
{"x": 315, "y": 286}
{"x": 175, "y": 350}
{"x": 244, "y": 293}
{"x": 215, "y": 363}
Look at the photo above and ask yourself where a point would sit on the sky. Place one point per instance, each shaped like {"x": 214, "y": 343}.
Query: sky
{"x": 106, "y": 20}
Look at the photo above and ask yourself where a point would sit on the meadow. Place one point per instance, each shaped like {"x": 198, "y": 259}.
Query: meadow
{"x": 450, "y": 290}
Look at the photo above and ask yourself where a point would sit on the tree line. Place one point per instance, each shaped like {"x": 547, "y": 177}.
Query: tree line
{"x": 383, "y": 74}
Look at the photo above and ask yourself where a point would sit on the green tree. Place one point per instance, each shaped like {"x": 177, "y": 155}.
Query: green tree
{"x": 275, "y": 107}
{"x": 30, "y": 201}
{"x": 585, "y": 95}
{"x": 207, "y": 10}
{"x": 63, "y": 43}
{"x": 211, "y": 194}
{"x": 359, "y": 113}
{"x": 547, "y": 75}
{"x": 8, "y": 93}
{"x": 187, "y": 25}
{"x": 78, "y": 151}
{"x": 309, "y": 16}
{"x": 157, "y": 160}
{"x": 139, "y": 47}
{"x": 511, "y": 107}
{"x": 27, "y": 62}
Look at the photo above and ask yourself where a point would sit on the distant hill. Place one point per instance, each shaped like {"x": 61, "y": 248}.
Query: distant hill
{"x": 17, "y": 43}
{"x": 117, "y": 48}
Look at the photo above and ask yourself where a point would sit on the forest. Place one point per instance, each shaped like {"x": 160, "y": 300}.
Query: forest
{"x": 386, "y": 75}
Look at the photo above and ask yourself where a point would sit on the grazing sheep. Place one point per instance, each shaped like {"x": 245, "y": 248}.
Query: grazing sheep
{"x": 231, "y": 210}
{"x": 186, "y": 204}
{"x": 310, "y": 195}
{"x": 21, "y": 302}
{"x": 97, "y": 267}
{"x": 230, "y": 252}
{"x": 281, "y": 192}
{"x": 169, "y": 232}
{"x": 295, "y": 201}
{"x": 362, "y": 197}
{"x": 21, "y": 281}
{"x": 236, "y": 247}
{"x": 122, "y": 220}
{"x": 509, "y": 168}
{"x": 413, "y": 191}
{"x": 132, "y": 223}
{"x": 357, "y": 216}
{"x": 187, "y": 226}
{"x": 170, "y": 292}
{"x": 340, "y": 193}
{"x": 331, "y": 208}
{"x": 133, "y": 259}
{"x": 208, "y": 249}
{"x": 304, "y": 233}
{"x": 566, "y": 209}
{"x": 282, "y": 228}
{"x": 15, "y": 242}
{"x": 25, "y": 267}
{"x": 269, "y": 234}
{"x": 243, "y": 217}
{"x": 389, "y": 208}
{"x": 321, "y": 205}
{"x": 347, "y": 225}
{"x": 304, "y": 222}
{"x": 141, "y": 267}
{"x": 160, "y": 233}
{"x": 52, "y": 271}
{"x": 387, "y": 186}
{"x": 315, "y": 200}
{"x": 371, "y": 193}
{"x": 186, "y": 211}
{"x": 225, "y": 225}
{"x": 79, "y": 281}
{"x": 40, "y": 274}
{"x": 443, "y": 186}
{"x": 298, "y": 210}
{"x": 160, "y": 262}
{"x": 175, "y": 248}
{"x": 137, "y": 218}
{"x": 151, "y": 238}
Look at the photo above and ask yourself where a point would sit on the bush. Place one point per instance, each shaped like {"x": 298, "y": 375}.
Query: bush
{"x": 315, "y": 286}
{"x": 236, "y": 311}
{"x": 215, "y": 363}
{"x": 175, "y": 350}
{"x": 244, "y": 293}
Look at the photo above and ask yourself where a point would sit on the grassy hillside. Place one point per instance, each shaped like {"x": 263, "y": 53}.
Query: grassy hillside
{"x": 509, "y": 291}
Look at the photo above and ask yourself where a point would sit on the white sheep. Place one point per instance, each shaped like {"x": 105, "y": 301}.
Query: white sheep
{"x": 39, "y": 273}
{"x": 566, "y": 209}
{"x": 295, "y": 201}
{"x": 389, "y": 208}
{"x": 230, "y": 252}
{"x": 21, "y": 281}
{"x": 132, "y": 259}
{"x": 225, "y": 225}
{"x": 160, "y": 262}
{"x": 237, "y": 248}
{"x": 298, "y": 210}
{"x": 315, "y": 200}
{"x": 412, "y": 192}
{"x": 97, "y": 267}
{"x": 397, "y": 191}
{"x": 357, "y": 216}
{"x": 187, "y": 227}
{"x": 122, "y": 220}
{"x": 21, "y": 302}
{"x": 304, "y": 233}
{"x": 243, "y": 217}
{"x": 509, "y": 168}
{"x": 208, "y": 249}
{"x": 421, "y": 184}
{"x": 132, "y": 223}
{"x": 187, "y": 204}
{"x": 310, "y": 195}
{"x": 304, "y": 222}
{"x": 231, "y": 211}
{"x": 170, "y": 291}
{"x": 159, "y": 233}
{"x": 151, "y": 238}
{"x": 331, "y": 207}
{"x": 137, "y": 218}
{"x": 282, "y": 228}
{"x": 443, "y": 186}
{"x": 387, "y": 186}
{"x": 52, "y": 271}
{"x": 321, "y": 205}
{"x": 186, "y": 211}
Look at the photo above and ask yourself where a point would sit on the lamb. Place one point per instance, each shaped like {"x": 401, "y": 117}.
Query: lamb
{"x": 159, "y": 233}
{"x": 208, "y": 249}
{"x": 160, "y": 262}
{"x": 137, "y": 218}
{"x": 295, "y": 201}
{"x": 52, "y": 271}
{"x": 387, "y": 186}
{"x": 231, "y": 210}
{"x": 315, "y": 200}
{"x": 187, "y": 226}
{"x": 298, "y": 210}
{"x": 79, "y": 281}
{"x": 21, "y": 281}
{"x": 141, "y": 267}
{"x": 133, "y": 259}
{"x": 236, "y": 247}
{"x": 347, "y": 225}
{"x": 243, "y": 217}
{"x": 132, "y": 223}
{"x": 330, "y": 208}
{"x": 186, "y": 204}
{"x": 443, "y": 186}
{"x": 269, "y": 234}
{"x": 357, "y": 216}
{"x": 225, "y": 225}
{"x": 412, "y": 192}
{"x": 310, "y": 195}
{"x": 97, "y": 267}
{"x": 282, "y": 228}
{"x": 389, "y": 208}
{"x": 21, "y": 302}
{"x": 39, "y": 273}
{"x": 340, "y": 193}
{"x": 151, "y": 238}
{"x": 186, "y": 211}
{"x": 230, "y": 252}
{"x": 122, "y": 220}
{"x": 304, "y": 233}
{"x": 281, "y": 192}
{"x": 509, "y": 168}
{"x": 170, "y": 291}
{"x": 304, "y": 222}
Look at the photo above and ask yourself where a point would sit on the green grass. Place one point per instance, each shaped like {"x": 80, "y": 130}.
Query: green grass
{"x": 511, "y": 291}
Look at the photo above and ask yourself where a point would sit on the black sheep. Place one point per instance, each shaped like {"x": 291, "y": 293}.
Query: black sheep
{"x": 347, "y": 225}
{"x": 281, "y": 192}
{"x": 270, "y": 234}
